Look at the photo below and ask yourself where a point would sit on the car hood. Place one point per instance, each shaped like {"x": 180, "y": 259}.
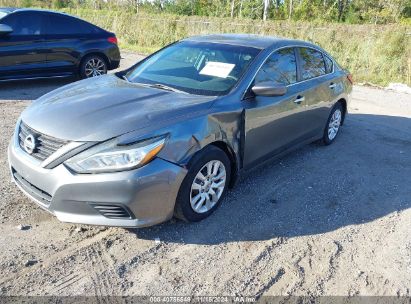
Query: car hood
{"x": 104, "y": 107}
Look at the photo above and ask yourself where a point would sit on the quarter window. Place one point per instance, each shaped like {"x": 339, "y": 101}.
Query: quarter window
{"x": 312, "y": 63}
{"x": 24, "y": 24}
{"x": 280, "y": 68}
{"x": 328, "y": 64}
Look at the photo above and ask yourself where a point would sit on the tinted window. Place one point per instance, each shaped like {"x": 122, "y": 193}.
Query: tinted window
{"x": 280, "y": 68}
{"x": 65, "y": 25}
{"x": 24, "y": 24}
{"x": 312, "y": 63}
{"x": 328, "y": 64}
{"x": 195, "y": 67}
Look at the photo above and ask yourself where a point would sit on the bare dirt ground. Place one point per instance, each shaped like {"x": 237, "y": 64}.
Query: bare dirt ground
{"x": 330, "y": 220}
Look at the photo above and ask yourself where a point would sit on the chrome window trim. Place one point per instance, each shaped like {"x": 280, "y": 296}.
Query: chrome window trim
{"x": 332, "y": 62}
{"x": 297, "y": 82}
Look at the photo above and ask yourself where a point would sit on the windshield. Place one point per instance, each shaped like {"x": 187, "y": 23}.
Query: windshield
{"x": 196, "y": 68}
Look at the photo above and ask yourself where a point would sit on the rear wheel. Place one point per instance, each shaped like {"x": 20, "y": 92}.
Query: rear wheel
{"x": 204, "y": 186}
{"x": 333, "y": 124}
{"x": 93, "y": 65}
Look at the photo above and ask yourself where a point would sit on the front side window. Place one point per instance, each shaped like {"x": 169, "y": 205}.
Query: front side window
{"x": 312, "y": 63}
{"x": 24, "y": 24}
{"x": 66, "y": 25}
{"x": 199, "y": 68}
{"x": 280, "y": 68}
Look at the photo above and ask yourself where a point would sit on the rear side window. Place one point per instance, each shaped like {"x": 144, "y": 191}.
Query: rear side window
{"x": 280, "y": 68}
{"x": 312, "y": 63}
{"x": 24, "y": 23}
{"x": 66, "y": 25}
{"x": 328, "y": 64}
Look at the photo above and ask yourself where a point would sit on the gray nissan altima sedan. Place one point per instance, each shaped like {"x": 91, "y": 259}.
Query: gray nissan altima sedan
{"x": 169, "y": 135}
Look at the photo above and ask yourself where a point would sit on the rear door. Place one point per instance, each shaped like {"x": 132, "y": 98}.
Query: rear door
{"x": 318, "y": 87}
{"x": 273, "y": 124}
{"x": 67, "y": 39}
{"x": 22, "y": 53}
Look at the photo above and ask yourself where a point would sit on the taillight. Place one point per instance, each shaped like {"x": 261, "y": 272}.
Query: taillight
{"x": 350, "y": 79}
{"x": 112, "y": 39}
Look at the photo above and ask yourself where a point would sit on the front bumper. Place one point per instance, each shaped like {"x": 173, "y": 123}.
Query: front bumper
{"x": 146, "y": 194}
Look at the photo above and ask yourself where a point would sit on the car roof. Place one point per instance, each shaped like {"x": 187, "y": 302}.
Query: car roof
{"x": 9, "y": 10}
{"x": 250, "y": 40}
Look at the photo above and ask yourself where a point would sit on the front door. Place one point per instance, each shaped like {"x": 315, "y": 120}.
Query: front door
{"x": 22, "y": 52}
{"x": 272, "y": 124}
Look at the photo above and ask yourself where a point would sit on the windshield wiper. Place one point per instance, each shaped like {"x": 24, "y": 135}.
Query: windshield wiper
{"x": 165, "y": 87}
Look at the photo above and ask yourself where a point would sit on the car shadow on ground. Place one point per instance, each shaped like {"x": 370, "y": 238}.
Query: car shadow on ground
{"x": 363, "y": 176}
{"x": 31, "y": 89}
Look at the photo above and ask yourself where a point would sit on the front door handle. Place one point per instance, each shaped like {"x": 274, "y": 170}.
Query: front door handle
{"x": 332, "y": 85}
{"x": 299, "y": 99}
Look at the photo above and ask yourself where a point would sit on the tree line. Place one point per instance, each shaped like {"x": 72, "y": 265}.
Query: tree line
{"x": 348, "y": 11}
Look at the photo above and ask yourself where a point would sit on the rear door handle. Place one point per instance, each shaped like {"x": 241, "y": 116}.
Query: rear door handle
{"x": 299, "y": 99}
{"x": 332, "y": 85}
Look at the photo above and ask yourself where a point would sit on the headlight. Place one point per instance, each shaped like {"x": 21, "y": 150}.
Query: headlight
{"x": 111, "y": 157}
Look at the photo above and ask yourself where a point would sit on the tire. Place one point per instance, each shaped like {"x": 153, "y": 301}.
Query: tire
{"x": 93, "y": 65}
{"x": 189, "y": 191}
{"x": 333, "y": 125}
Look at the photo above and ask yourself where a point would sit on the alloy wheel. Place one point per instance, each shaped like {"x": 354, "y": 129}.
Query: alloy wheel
{"x": 334, "y": 124}
{"x": 95, "y": 67}
{"x": 208, "y": 186}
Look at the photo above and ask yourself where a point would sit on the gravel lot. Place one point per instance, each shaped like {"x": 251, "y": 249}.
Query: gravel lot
{"x": 330, "y": 220}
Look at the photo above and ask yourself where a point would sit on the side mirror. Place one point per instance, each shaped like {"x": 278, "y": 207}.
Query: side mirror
{"x": 269, "y": 89}
{"x": 5, "y": 29}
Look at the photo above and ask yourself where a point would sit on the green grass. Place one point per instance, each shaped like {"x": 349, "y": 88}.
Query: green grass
{"x": 373, "y": 53}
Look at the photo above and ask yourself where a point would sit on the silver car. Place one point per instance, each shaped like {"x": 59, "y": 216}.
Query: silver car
{"x": 168, "y": 136}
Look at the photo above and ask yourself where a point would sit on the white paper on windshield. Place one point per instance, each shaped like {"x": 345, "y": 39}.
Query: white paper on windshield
{"x": 217, "y": 69}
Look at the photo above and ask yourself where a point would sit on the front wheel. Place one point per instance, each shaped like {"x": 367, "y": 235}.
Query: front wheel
{"x": 333, "y": 124}
{"x": 204, "y": 186}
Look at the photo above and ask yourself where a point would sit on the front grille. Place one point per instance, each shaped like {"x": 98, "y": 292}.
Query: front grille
{"x": 43, "y": 197}
{"x": 45, "y": 145}
{"x": 113, "y": 211}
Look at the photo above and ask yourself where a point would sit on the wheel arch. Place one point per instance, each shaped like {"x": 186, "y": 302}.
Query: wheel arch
{"x": 343, "y": 103}
{"x": 228, "y": 150}
{"x": 91, "y": 53}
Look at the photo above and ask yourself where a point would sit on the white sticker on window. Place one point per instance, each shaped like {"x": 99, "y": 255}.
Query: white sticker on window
{"x": 217, "y": 69}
